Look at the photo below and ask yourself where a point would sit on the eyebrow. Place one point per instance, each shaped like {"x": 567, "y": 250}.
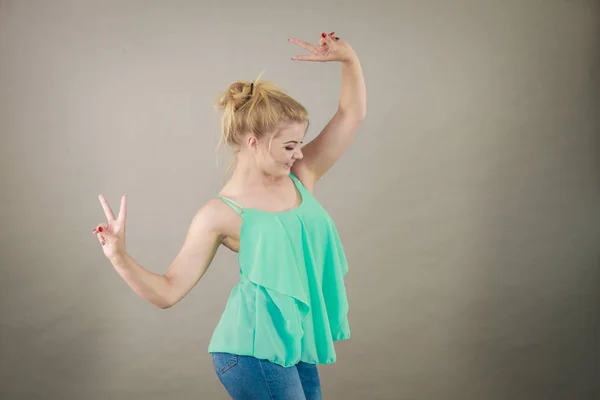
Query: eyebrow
{"x": 291, "y": 141}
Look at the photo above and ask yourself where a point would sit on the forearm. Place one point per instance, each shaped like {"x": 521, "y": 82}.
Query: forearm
{"x": 353, "y": 100}
{"x": 152, "y": 287}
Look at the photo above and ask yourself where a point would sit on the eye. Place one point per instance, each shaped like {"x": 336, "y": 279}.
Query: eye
{"x": 289, "y": 148}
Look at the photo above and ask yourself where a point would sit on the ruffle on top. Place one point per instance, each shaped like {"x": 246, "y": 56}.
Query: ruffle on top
{"x": 290, "y": 304}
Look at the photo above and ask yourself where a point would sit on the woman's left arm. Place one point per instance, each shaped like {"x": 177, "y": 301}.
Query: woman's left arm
{"x": 323, "y": 151}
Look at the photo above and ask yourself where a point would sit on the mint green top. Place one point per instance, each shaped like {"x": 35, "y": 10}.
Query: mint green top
{"x": 290, "y": 304}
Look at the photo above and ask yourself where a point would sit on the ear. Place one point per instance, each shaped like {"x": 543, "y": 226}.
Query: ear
{"x": 252, "y": 142}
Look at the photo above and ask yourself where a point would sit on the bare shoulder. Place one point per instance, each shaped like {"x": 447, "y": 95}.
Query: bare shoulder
{"x": 305, "y": 176}
{"x": 215, "y": 215}
{"x": 220, "y": 219}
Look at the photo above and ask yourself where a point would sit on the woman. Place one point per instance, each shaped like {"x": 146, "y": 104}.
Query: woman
{"x": 290, "y": 305}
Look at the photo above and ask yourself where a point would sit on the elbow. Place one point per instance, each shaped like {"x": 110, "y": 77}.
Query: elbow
{"x": 165, "y": 302}
{"x": 165, "y": 298}
{"x": 164, "y": 305}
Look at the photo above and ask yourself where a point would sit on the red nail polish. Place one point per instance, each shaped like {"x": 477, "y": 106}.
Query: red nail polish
{"x": 100, "y": 229}
{"x": 323, "y": 34}
{"x": 332, "y": 33}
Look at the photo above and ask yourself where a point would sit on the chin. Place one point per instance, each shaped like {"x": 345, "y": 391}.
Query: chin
{"x": 282, "y": 170}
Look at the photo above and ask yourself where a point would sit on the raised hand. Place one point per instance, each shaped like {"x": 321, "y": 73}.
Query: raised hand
{"x": 111, "y": 234}
{"x": 329, "y": 48}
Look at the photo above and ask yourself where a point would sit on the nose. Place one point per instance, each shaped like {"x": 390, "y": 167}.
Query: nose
{"x": 298, "y": 154}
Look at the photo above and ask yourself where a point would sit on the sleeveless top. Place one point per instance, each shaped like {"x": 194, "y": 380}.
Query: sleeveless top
{"x": 290, "y": 304}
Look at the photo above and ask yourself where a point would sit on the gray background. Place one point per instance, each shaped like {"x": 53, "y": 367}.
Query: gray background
{"x": 468, "y": 204}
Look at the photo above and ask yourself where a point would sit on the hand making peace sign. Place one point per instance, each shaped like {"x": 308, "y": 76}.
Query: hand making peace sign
{"x": 329, "y": 48}
{"x": 112, "y": 233}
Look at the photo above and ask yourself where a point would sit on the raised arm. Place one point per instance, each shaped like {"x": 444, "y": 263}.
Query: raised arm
{"x": 323, "y": 151}
{"x": 163, "y": 290}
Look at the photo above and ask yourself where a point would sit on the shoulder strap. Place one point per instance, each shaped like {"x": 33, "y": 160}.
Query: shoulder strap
{"x": 297, "y": 181}
{"x": 295, "y": 178}
{"x": 233, "y": 205}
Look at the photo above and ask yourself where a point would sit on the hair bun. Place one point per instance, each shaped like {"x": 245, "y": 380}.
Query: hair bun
{"x": 236, "y": 95}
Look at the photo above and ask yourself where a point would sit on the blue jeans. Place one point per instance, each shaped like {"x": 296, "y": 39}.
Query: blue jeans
{"x": 249, "y": 378}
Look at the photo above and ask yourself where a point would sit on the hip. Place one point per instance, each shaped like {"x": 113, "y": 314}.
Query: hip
{"x": 247, "y": 377}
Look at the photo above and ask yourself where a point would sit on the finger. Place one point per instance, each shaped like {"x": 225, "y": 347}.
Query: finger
{"x": 107, "y": 210}
{"x": 123, "y": 210}
{"x": 329, "y": 39}
{"x": 322, "y": 40}
{"x": 101, "y": 228}
{"x": 307, "y": 57}
{"x": 303, "y": 44}
{"x": 101, "y": 239}
{"x": 332, "y": 34}
{"x": 106, "y": 237}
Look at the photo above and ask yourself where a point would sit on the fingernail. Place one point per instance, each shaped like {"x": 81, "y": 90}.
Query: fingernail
{"x": 323, "y": 34}
{"x": 332, "y": 33}
{"x": 100, "y": 229}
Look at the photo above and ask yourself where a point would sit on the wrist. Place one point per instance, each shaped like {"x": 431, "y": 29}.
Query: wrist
{"x": 351, "y": 62}
{"x": 118, "y": 259}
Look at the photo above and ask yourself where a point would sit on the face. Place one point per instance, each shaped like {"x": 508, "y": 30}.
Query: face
{"x": 285, "y": 149}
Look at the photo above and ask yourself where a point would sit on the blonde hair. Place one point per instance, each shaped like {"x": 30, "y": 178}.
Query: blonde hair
{"x": 257, "y": 108}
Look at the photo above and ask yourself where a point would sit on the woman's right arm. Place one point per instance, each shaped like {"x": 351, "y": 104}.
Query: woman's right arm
{"x": 199, "y": 248}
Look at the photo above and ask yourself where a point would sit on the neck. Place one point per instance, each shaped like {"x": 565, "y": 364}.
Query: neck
{"x": 247, "y": 174}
